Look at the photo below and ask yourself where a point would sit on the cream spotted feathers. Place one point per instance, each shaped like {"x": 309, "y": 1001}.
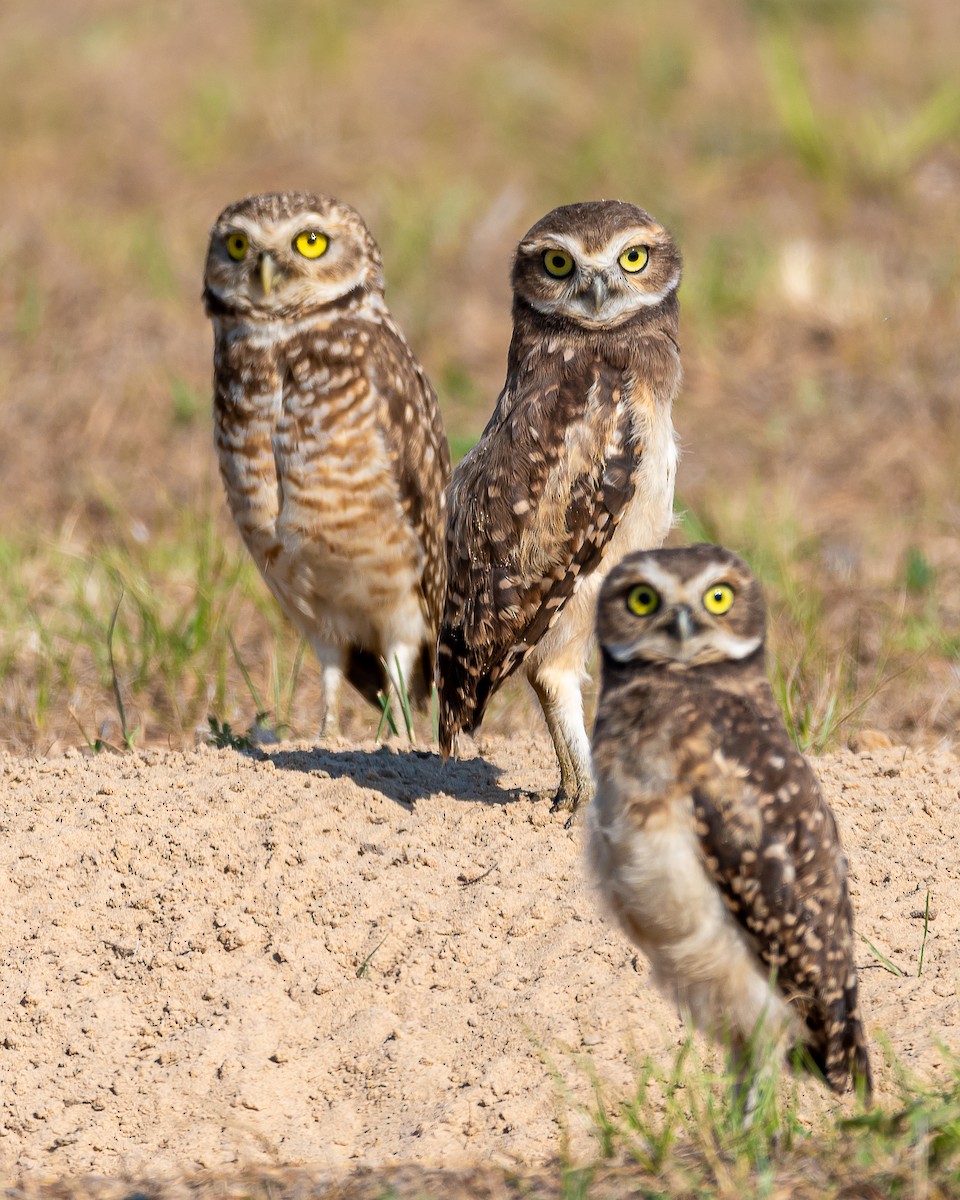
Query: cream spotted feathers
{"x": 574, "y": 469}
{"x": 329, "y": 438}
{"x": 709, "y": 837}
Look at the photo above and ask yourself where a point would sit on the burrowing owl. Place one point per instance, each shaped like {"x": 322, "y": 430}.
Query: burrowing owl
{"x": 709, "y": 836}
{"x": 575, "y": 468}
{"x": 330, "y": 439}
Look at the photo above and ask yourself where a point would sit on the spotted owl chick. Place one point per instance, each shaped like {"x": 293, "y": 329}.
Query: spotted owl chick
{"x": 575, "y": 468}
{"x": 709, "y": 837}
{"x": 330, "y": 440}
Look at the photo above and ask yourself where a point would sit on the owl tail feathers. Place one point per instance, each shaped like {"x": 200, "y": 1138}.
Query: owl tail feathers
{"x": 851, "y": 1062}
{"x": 847, "y": 1057}
{"x": 462, "y": 692}
{"x": 843, "y": 1059}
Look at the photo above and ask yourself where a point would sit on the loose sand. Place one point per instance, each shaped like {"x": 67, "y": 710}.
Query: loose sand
{"x": 356, "y": 956}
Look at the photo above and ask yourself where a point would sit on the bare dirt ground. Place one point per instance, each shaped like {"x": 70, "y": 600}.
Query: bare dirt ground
{"x": 357, "y": 957}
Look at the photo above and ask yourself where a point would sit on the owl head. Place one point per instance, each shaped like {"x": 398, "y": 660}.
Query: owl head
{"x": 597, "y": 264}
{"x": 681, "y": 609}
{"x": 288, "y": 254}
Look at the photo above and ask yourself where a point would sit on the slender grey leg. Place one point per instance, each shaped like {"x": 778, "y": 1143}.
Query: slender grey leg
{"x": 331, "y": 674}
{"x": 562, "y": 703}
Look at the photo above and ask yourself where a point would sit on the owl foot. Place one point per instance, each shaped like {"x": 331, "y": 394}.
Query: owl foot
{"x": 567, "y": 800}
{"x": 330, "y": 727}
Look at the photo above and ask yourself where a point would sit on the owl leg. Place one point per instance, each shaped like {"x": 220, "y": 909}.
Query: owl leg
{"x": 562, "y": 703}
{"x": 330, "y": 658}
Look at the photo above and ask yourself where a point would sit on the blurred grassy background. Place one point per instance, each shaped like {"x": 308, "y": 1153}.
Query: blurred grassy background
{"x": 806, "y": 153}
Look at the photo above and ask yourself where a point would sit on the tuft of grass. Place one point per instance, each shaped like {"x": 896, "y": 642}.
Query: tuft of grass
{"x": 914, "y": 1147}
{"x": 187, "y": 402}
{"x": 386, "y": 717}
{"x": 386, "y": 705}
{"x": 224, "y": 738}
{"x": 262, "y": 728}
{"x": 847, "y": 147}
{"x": 31, "y": 308}
{"x": 169, "y": 652}
{"x": 682, "y": 1131}
{"x": 199, "y": 134}
{"x": 405, "y": 708}
{"x": 726, "y": 280}
{"x": 695, "y": 1106}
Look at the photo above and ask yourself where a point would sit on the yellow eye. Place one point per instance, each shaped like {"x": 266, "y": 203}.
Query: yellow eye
{"x": 718, "y": 599}
{"x": 634, "y": 258}
{"x": 237, "y": 245}
{"x": 311, "y": 243}
{"x": 558, "y": 263}
{"x": 643, "y": 600}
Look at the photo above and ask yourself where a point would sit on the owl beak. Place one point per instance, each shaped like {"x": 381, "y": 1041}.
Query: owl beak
{"x": 268, "y": 273}
{"x": 598, "y": 290}
{"x": 681, "y": 626}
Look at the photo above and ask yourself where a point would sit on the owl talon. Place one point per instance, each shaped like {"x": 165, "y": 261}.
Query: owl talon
{"x": 563, "y": 801}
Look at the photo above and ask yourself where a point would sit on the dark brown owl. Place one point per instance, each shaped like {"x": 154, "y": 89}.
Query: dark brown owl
{"x": 330, "y": 440}
{"x": 709, "y": 837}
{"x": 575, "y": 468}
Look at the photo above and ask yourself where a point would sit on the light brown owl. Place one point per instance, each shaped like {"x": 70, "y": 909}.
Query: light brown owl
{"x": 329, "y": 437}
{"x": 709, "y": 837}
{"x": 575, "y": 468}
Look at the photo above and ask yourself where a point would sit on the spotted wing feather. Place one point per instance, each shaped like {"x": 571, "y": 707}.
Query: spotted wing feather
{"x": 771, "y": 845}
{"x": 418, "y": 450}
{"x": 512, "y": 565}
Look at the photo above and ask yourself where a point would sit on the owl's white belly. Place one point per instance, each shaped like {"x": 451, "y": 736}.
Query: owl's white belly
{"x": 328, "y": 533}
{"x": 653, "y": 881}
{"x": 363, "y": 595}
{"x": 649, "y": 515}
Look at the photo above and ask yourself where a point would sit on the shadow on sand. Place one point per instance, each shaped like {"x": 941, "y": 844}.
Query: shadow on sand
{"x": 405, "y": 776}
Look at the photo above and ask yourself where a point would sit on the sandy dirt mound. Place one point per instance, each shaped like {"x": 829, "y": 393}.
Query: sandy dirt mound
{"x": 356, "y": 956}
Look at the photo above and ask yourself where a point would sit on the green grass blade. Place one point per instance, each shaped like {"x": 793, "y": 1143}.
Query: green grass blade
{"x": 926, "y": 929}
{"x": 128, "y": 736}
{"x": 404, "y": 701}
{"x": 882, "y": 958}
{"x": 247, "y": 679}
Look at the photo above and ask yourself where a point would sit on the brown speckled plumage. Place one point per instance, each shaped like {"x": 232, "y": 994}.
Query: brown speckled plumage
{"x": 709, "y": 836}
{"x": 575, "y": 468}
{"x": 330, "y": 440}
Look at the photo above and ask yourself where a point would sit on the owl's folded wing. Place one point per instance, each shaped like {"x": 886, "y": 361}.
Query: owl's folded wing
{"x": 771, "y": 845}
{"x": 533, "y": 508}
{"x": 417, "y": 446}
